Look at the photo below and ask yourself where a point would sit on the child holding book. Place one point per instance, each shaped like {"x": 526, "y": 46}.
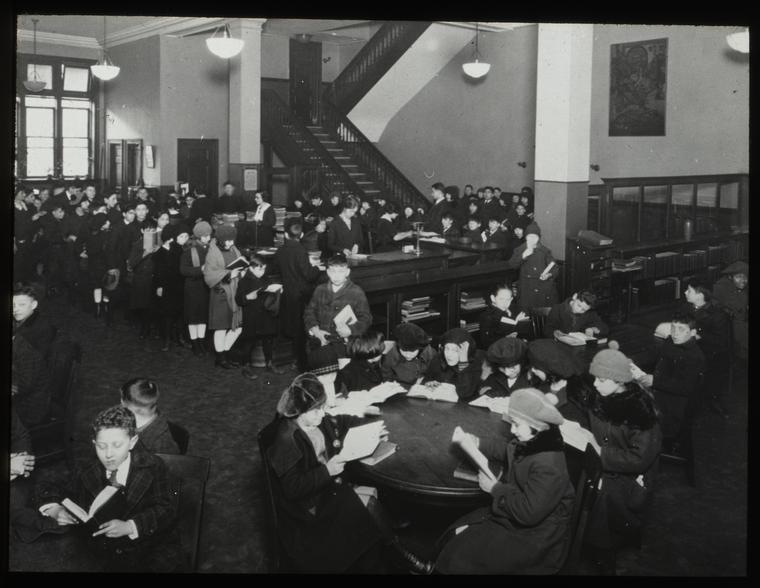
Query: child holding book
{"x": 525, "y": 528}
{"x": 458, "y": 362}
{"x": 408, "y": 360}
{"x": 363, "y": 371}
{"x": 501, "y": 318}
{"x": 537, "y": 271}
{"x": 133, "y": 529}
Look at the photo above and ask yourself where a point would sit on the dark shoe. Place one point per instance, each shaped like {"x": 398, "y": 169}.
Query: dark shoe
{"x": 195, "y": 347}
{"x": 249, "y": 373}
{"x": 221, "y": 361}
{"x": 98, "y": 309}
{"x": 410, "y": 561}
{"x": 203, "y": 346}
{"x": 231, "y": 361}
{"x": 274, "y": 369}
{"x": 107, "y": 313}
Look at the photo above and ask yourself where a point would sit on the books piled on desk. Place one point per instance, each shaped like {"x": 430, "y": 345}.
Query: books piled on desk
{"x": 647, "y": 265}
{"x": 575, "y": 339}
{"x": 469, "y": 301}
{"x": 626, "y": 265}
{"x": 667, "y": 262}
{"x": 417, "y": 308}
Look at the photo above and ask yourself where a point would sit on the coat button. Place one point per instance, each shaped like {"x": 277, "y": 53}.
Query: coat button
{"x": 119, "y": 551}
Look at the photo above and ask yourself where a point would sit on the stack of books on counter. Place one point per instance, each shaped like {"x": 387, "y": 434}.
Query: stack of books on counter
{"x": 417, "y": 308}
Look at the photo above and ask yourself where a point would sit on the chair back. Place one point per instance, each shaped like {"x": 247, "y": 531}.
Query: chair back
{"x": 189, "y": 474}
{"x": 180, "y": 435}
{"x": 277, "y": 558}
{"x": 538, "y": 320}
{"x": 585, "y": 470}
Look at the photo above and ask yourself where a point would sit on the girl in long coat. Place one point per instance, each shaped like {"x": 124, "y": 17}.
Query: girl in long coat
{"x": 525, "y": 529}
{"x": 324, "y": 524}
{"x": 195, "y": 291}
{"x": 168, "y": 282}
{"x": 96, "y": 252}
{"x": 140, "y": 261}
{"x": 622, "y": 417}
{"x": 259, "y": 319}
{"x": 535, "y": 288}
{"x": 225, "y": 317}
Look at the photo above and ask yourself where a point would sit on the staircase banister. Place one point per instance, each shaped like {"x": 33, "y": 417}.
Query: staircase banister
{"x": 375, "y": 153}
{"x": 325, "y": 157}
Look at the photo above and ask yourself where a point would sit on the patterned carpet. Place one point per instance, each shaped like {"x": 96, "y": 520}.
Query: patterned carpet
{"x": 690, "y": 531}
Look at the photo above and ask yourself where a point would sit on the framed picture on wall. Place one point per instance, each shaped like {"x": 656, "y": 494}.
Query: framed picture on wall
{"x": 149, "y": 156}
{"x": 250, "y": 179}
{"x": 638, "y": 83}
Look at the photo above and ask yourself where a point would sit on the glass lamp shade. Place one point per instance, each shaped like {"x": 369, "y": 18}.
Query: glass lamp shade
{"x": 476, "y": 69}
{"x": 224, "y": 47}
{"x": 739, "y": 41}
{"x": 34, "y": 85}
{"x": 105, "y": 71}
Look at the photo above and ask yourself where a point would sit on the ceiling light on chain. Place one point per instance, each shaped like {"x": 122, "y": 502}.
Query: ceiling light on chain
{"x": 739, "y": 41}
{"x": 224, "y": 46}
{"x": 105, "y": 69}
{"x": 35, "y": 84}
{"x": 476, "y": 68}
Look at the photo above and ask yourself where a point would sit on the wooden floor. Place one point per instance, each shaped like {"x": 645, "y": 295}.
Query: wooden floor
{"x": 690, "y": 531}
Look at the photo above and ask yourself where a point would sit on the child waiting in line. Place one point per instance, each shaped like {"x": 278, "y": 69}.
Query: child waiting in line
{"x": 363, "y": 371}
{"x": 408, "y": 360}
{"x": 140, "y": 396}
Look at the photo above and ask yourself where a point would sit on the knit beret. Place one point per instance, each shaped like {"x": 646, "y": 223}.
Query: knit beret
{"x": 533, "y": 407}
{"x": 410, "y": 337}
{"x": 738, "y": 267}
{"x": 457, "y": 336}
{"x": 553, "y": 357}
{"x": 611, "y": 364}
{"x": 201, "y": 229}
{"x": 507, "y": 351}
{"x": 168, "y": 232}
{"x": 225, "y": 233}
{"x": 532, "y": 229}
{"x": 180, "y": 228}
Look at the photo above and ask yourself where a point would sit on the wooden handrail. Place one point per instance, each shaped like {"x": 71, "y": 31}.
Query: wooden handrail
{"x": 354, "y": 142}
{"x": 373, "y": 61}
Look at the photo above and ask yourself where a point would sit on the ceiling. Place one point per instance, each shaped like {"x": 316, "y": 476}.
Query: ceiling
{"x": 81, "y": 25}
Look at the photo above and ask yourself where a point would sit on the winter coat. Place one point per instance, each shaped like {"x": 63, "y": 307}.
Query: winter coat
{"x": 167, "y": 276}
{"x": 533, "y": 292}
{"x": 395, "y": 367}
{"x": 257, "y": 320}
{"x": 325, "y": 304}
{"x": 714, "y": 329}
{"x": 340, "y": 237}
{"x": 358, "y": 374}
{"x": 497, "y": 384}
{"x": 434, "y": 214}
{"x": 224, "y": 313}
{"x": 496, "y": 323}
{"x": 386, "y": 230}
{"x": 263, "y": 230}
{"x": 195, "y": 290}
{"x": 525, "y": 529}
{"x": 562, "y": 318}
{"x": 143, "y": 267}
{"x": 157, "y": 438}
{"x": 323, "y": 525}
{"x": 298, "y": 279}
{"x": 97, "y": 258}
{"x": 465, "y": 377}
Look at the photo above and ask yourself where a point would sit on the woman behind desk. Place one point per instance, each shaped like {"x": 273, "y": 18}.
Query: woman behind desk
{"x": 264, "y": 221}
{"x": 345, "y": 232}
{"x": 525, "y": 528}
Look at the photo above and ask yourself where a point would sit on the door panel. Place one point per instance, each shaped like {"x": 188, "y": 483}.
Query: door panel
{"x": 305, "y": 79}
{"x": 197, "y": 163}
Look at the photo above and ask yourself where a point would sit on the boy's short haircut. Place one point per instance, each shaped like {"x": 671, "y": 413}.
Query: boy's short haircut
{"x": 498, "y": 286}
{"x": 685, "y": 318}
{"x": 257, "y": 261}
{"x": 487, "y": 188}
{"x": 128, "y": 206}
{"x": 366, "y": 346}
{"x": 116, "y": 417}
{"x": 438, "y": 186}
{"x": 293, "y": 227}
{"x": 496, "y": 188}
{"x": 588, "y": 297}
{"x": 228, "y": 183}
{"x": 349, "y": 203}
{"x": 468, "y": 186}
{"x": 57, "y": 207}
{"x": 141, "y": 392}
{"x": 474, "y": 218}
{"x": 25, "y": 289}
{"x": 448, "y": 215}
{"x": 702, "y": 287}
{"x": 391, "y": 208}
{"x": 494, "y": 219}
{"x": 338, "y": 259}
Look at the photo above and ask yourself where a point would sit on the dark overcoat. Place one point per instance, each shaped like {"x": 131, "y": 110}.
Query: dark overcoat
{"x": 496, "y": 323}
{"x": 466, "y": 379}
{"x": 168, "y": 277}
{"x": 141, "y": 291}
{"x": 532, "y": 292}
{"x": 340, "y": 237}
{"x": 298, "y": 280}
{"x": 257, "y": 320}
{"x": 195, "y": 289}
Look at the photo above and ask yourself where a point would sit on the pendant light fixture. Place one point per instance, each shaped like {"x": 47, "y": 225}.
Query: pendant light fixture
{"x": 224, "y": 46}
{"x": 739, "y": 41}
{"x": 476, "y": 68}
{"x": 105, "y": 69}
{"x": 35, "y": 84}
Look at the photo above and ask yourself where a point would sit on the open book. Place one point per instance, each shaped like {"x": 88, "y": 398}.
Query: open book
{"x": 273, "y": 288}
{"x": 575, "y": 435}
{"x": 442, "y": 391}
{"x": 361, "y": 441}
{"x": 465, "y": 471}
{"x": 498, "y": 404}
{"x": 575, "y": 338}
{"x": 481, "y": 461}
{"x": 346, "y": 316}
{"x": 359, "y": 407}
{"x": 239, "y": 263}
{"x": 379, "y": 393}
{"x": 383, "y": 450}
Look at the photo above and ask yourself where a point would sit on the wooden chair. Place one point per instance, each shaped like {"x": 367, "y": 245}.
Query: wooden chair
{"x": 189, "y": 474}
{"x": 538, "y": 320}
{"x": 50, "y": 439}
{"x": 279, "y": 562}
{"x": 585, "y": 470}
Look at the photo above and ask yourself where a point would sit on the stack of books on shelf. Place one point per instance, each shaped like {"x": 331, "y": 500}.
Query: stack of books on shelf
{"x": 416, "y": 309}
{"x": 469, "y": 301}
{"x": 701, "y": 257}
{"x": 689, "y": 262}
{"x": 647, "y": 265}
{"x": 715, "y": 254}
{"x": 626, "y": 265}
{"x": 279, "y": 215}
{"x": 472, "y": 327}
{"x": 667, "y": 262}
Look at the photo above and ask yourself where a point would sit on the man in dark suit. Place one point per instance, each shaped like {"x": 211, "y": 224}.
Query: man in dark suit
{"x": 203, "y": 207}
{"x": 439, "y": 208}
{"x": 228, "y": 202}
{"x": 298, "y": 279}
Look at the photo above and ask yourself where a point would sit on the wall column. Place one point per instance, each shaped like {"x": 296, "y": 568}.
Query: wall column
{"x": 245, "y": 101}
{"x": 563, "y": 131}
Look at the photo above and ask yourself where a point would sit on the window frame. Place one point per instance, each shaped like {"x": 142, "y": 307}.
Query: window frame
{"x": 59, "y": 64}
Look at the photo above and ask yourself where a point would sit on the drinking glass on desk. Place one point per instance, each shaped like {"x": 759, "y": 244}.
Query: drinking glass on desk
{"x": 417, "y": 228}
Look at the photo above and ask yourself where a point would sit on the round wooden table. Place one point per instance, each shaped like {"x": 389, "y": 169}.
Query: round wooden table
{"x": 422, "y": 468}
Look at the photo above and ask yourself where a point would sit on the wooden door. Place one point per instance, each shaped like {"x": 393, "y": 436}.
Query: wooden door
{"x": 197, "y": 164}
{"x": 305, "y": 79}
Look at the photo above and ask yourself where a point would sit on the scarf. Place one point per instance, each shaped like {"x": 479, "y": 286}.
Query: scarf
{"x": 259, "y": 214}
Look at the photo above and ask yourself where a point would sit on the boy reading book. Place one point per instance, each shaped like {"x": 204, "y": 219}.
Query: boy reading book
{"x": 576, "y": 314}
{"x": 127, "y": 509}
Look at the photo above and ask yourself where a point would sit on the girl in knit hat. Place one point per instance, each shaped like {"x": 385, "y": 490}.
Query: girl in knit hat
{"x": 195, "y": 290}
{"x": 505, "y": 359}
{"x": 622, "y": 417}
{"x": 525, "y": 528}
{"x": 459, "y": 362}
{"x": 535, "y": 287}
{"x": 409, "y": 359}
{"x": 225, "y": 316}
{"x": 324, "y": 525}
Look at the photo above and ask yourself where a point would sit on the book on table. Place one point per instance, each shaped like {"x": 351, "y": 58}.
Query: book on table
{"x": 441, "y": 391}
{"x": 575, "y": 339}
{"x": 361, "y": 441}
{"x": 498, "y": 404}
{"x": 239, "y": 263}
{"x": 384, "y": 450}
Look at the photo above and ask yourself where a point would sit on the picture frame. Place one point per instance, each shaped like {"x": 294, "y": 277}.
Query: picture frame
{"x": 150, "y": 156}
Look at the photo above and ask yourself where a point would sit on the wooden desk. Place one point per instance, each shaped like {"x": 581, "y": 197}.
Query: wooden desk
{"x": 393, "y": 262}
{"x": 485, "y": 252}
{"x": 422, "y": 468}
